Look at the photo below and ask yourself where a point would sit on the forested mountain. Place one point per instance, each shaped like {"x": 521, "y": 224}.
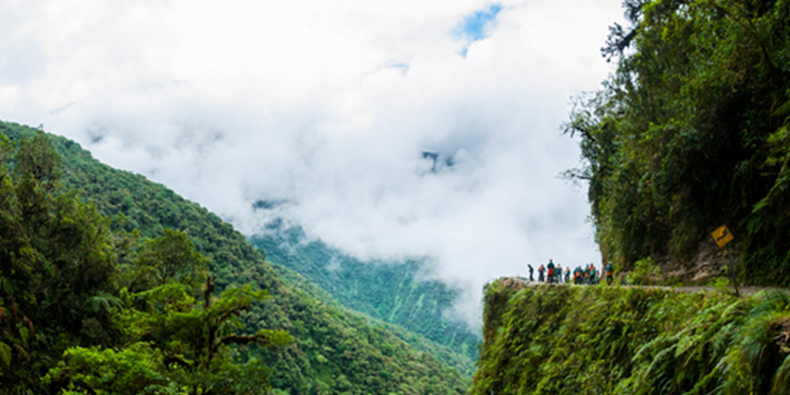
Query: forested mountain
{"x": 389, "y": 291}
{"x": 333, "y": 351}
{"x": 691, "y": 133}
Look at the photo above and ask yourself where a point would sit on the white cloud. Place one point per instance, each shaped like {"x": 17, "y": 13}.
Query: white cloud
{"x": 328, "y": 106}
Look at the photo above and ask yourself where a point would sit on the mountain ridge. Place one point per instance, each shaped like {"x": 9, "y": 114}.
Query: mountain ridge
{"x": 335, "y": 351}
{"x": 389, "y": 291}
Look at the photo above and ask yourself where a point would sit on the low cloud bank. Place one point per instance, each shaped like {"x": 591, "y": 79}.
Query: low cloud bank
{"x": 380, "y": 128}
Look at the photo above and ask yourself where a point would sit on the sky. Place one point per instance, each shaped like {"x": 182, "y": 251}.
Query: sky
{"x": 387, "y": 129}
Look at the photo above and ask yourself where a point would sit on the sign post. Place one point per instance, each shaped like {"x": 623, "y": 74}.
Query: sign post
{"x": 722, "y": 236}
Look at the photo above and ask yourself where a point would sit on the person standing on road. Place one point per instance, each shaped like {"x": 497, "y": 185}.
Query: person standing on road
{"x": 609, "y": 273}
{"x": 531, "y": 270}
{"x": 592, "y": 275}
{"x": 559, "y": 274}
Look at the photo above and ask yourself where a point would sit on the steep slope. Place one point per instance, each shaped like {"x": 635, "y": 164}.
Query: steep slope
{"x": 557, "y": 339}
{"x": 444, "y": 354}
{"x": 388, "y": 291}
{"x": 336, "y": 351}
{"x": 690, "y": 133}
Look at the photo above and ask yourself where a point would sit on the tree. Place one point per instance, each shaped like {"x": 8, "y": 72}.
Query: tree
{"x": 57, "y": 263}
{"x": 175, "y": 346}
{"x": 167, "y": 258}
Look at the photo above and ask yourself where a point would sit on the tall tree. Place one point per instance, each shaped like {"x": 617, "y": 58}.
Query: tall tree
{"x": 57, "y": 265}
{"x": 167, "y": 258}
{"x": 174, "y": 345}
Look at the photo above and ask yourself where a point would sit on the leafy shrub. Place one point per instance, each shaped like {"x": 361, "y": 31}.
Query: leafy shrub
{"x": 645, "y": 272}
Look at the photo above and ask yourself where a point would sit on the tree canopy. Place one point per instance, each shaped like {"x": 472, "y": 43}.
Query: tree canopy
{"x": 66, "y": 317}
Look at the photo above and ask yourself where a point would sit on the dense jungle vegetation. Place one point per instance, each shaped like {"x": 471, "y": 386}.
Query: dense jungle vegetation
{"x": 389, "y": 291}
{"x": 613, "y": 340}
{"x": 691, "y": 132}
{"x": 117, "y": 315}
{"x": 93, "y": 302}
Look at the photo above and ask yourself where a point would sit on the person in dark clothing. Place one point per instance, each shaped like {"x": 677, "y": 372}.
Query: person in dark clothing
{"x": 567, "y": 275}
{"x": 609, "y": 274}
{"x": 541, "y": 269}
{"x": 577, "y": 275}
{"x": 531, "y": 270}
{"x": 591, "y": 275}
{"x": 550, "y": 266}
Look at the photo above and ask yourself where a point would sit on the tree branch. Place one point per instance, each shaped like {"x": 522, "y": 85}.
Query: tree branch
{"x": 177, "y": 360}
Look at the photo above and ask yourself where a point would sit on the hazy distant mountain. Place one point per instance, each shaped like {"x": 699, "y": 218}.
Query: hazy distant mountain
{"x": 389, "y": 291}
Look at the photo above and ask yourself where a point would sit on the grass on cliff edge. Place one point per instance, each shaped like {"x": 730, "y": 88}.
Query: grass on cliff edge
{"x": 612, "y": 340}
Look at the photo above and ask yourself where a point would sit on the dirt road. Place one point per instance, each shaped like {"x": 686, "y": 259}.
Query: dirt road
{"x": 520, "y": 282}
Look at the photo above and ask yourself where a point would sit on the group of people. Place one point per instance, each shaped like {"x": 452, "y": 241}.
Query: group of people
{"x": 554, "y": 274}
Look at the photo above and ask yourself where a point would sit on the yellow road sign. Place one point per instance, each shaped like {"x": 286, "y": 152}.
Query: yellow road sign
{"x": 722, "y": 236}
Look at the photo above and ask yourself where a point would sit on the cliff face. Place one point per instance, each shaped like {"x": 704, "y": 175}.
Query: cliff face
{"x": 706, "y": 261}
{"x": 691, "y": 132}
{"x": 613, "y": 340}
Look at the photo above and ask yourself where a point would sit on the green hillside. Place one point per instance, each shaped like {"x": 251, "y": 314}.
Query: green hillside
{"x": 691, "y": 133}
{"x": 385, "y": 290}
{"x": 335, "y": 350}
{"x": 557, "y": 339}
{"x": 444, "y": 354}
